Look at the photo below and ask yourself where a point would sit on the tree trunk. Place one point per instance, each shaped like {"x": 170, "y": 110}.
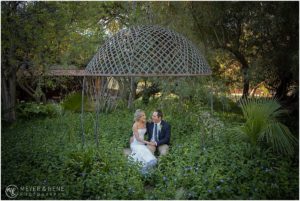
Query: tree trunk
{"x": 245, "y": 70}
{"x": 26, "y": 88}
{"x": 281, "y": 90}
{"x": 245, "y": 82}
{"x": 253, "y": 91}
{"x": 8, "y": 97}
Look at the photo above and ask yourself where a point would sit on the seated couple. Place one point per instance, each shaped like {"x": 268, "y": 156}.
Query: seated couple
{"x": 158, "y": 131}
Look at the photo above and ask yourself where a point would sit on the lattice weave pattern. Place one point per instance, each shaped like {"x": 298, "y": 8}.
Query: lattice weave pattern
{"x": 148, "y": 51}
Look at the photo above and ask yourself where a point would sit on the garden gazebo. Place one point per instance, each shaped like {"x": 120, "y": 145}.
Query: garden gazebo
{"x": 140, "y": 51}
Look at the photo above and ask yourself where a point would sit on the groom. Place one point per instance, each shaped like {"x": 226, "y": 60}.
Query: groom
{"x": 159, "y": 132}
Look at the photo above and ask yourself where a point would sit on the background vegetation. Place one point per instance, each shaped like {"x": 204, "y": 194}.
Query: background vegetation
{"x": 234, "y": 151}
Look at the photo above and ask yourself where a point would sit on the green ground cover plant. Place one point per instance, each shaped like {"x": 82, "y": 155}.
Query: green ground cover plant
{"x": 203, "y": 163}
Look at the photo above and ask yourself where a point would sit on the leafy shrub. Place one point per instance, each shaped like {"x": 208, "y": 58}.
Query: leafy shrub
{"x": 73, "y": 101}
{"x": 33, "y": 110}
{"x": 211, "y": 127}
{"x": 95, "y": 173}
{"x": 220, "y": 172}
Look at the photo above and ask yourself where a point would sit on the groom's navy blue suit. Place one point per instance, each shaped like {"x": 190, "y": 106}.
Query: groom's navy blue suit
{"x": 163, "y": 135}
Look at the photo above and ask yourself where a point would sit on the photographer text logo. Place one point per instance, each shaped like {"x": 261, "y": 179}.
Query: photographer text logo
{"x": 36, "y": 191}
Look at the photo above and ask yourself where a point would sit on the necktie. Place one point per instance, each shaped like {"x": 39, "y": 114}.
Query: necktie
{"x": 155, "y": 133}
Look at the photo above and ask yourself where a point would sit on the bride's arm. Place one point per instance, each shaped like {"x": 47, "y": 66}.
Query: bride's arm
{"x": 136, "y": 134}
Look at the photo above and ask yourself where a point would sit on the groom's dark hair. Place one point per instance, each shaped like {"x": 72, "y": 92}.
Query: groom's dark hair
{"x": 159, "y": 113}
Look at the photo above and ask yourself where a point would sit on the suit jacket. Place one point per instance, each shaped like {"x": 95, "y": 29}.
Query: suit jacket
{"x": 163, "y": 135}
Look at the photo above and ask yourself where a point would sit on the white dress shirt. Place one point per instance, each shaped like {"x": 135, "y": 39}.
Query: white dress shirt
{"x": 158, "y": 126}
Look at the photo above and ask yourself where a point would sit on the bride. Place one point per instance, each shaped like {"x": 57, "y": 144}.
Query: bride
{"x": 140, "y": 152}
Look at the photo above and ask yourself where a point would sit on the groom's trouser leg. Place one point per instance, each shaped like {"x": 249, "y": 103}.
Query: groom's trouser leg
{"x": 163, "y": 149}
{"x": 151, "y": 148}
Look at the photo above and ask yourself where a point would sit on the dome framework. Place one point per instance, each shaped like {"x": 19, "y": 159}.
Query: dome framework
{"x": 141, "y": 51}
{"x": 148, "y": 51}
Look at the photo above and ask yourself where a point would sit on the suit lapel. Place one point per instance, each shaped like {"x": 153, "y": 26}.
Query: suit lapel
{"x": 159, "y": 133}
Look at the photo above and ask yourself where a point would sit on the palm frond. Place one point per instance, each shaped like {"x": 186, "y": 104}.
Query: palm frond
{"x": 262, "y": 125}
{"x": 237, "y": 134}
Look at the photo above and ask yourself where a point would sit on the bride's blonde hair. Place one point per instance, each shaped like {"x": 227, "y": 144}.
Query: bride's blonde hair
{"x": 137, "y": 115}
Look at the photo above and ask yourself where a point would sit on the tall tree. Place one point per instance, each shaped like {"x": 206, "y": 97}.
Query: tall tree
{"x": 9, "y": 62}
{"x": 282, "y": 53}
{"x": 226, "y": 26}
{"x": 38, "y": 35}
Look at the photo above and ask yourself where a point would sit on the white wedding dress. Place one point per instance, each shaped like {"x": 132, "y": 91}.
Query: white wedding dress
{"x": 140, "y": 152}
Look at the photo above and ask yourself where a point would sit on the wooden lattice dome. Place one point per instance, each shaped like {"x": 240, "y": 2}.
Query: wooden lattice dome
{"x": 148, "y": 51}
